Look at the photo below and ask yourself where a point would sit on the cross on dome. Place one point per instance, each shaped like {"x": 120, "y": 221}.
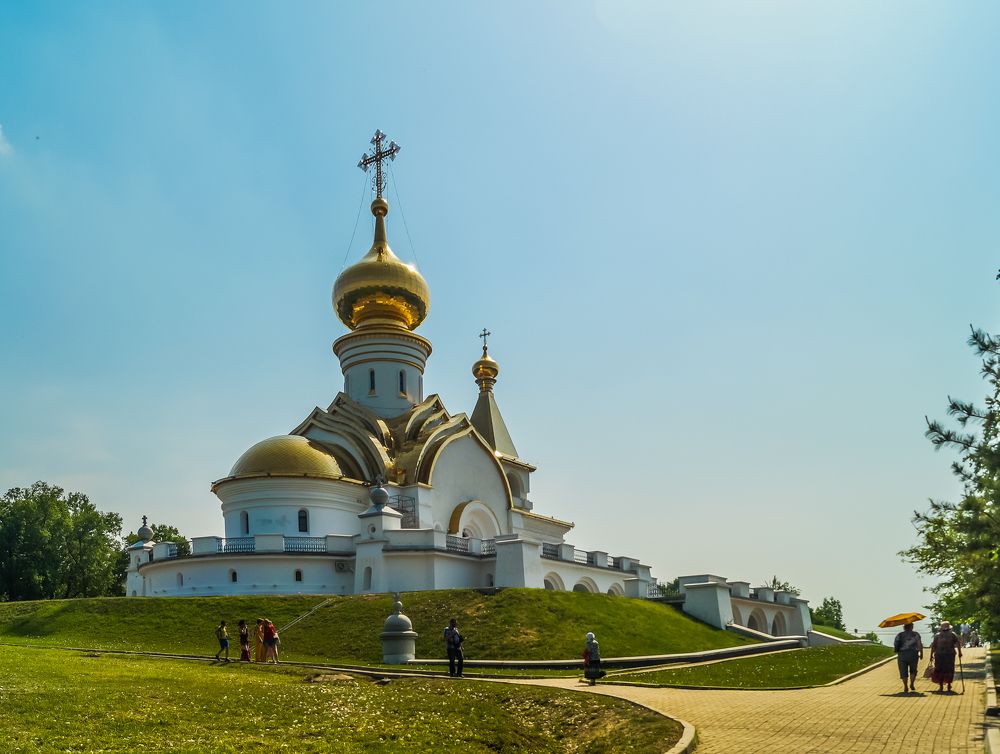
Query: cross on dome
{"x": 376, "y": 157}
{"x": 484, "y": 335}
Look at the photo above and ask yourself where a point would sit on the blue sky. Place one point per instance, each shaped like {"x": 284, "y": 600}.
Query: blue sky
{"x": 729, "y": 254}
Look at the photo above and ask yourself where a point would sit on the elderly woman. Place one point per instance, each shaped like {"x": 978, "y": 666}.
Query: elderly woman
{"x": 592, "y": 660}
{"x": 944, "y": 647}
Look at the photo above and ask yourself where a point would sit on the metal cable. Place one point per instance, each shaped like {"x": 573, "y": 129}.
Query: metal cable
{"x": 361, "y": 203}
{"x": 402, "y": 214}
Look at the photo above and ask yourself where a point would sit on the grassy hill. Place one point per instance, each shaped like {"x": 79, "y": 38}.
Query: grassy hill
{"x": 514, "y": 624}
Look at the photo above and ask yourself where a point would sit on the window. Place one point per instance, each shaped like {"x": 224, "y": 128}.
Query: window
{"x": 303, "y": 520}
{"x": 244, "y": 523}
{"x": 366, "y": 580}
{"x": 298, "y": 575}
{"x": 371, "y": 381}
{"x": 180, "y": 580}
{"x": 402, "y": 382}
{"x": 232, "y": 576}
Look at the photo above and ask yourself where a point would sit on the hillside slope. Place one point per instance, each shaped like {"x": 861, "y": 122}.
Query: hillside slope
{"x": 518, "y": 624}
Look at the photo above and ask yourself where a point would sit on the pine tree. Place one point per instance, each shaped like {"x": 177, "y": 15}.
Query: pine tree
{"x": 959, "y": 541}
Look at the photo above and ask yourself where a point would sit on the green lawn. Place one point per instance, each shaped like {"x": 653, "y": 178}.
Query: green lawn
{"x": 800, "y": 667}
{"x": 523, "y": 624}
{"x": 831, "y": 631}
{"x": 59, "y": 700}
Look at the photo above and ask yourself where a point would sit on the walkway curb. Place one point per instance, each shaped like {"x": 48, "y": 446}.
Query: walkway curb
{"x": 991, "y": 731}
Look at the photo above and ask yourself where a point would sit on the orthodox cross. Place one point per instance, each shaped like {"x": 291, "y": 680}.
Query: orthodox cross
{"x": 484, "y": 335}
{"x": 143, "y": 520}
{"x": 376, "y": 157}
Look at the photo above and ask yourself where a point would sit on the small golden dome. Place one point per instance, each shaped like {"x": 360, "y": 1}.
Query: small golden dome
{"x": 486, "y": 367}
{"x": 381, "y": 289}
{"x": 288, "y": 455}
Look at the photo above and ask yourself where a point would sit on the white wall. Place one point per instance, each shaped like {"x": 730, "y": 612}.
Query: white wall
{"x": 465, "y": 471}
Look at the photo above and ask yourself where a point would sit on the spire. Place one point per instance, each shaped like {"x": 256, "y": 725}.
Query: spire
{"x": 486, "y": 416}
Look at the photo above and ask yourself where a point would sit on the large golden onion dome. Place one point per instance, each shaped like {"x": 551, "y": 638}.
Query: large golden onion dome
{"x": 381, "y": 289}
{"x": 287, "y": 455}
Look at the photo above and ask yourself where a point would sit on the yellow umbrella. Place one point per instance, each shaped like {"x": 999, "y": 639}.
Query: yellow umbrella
{"x": 901, "y": 620}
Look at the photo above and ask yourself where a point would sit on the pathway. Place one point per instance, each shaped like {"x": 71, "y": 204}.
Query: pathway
{"x": 865, "y": 714}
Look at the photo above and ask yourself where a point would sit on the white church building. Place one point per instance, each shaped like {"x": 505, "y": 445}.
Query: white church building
{"x": 385, "y": 489}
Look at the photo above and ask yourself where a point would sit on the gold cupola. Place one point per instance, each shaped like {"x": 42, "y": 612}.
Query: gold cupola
{"x": 485, "y": 371}
{"x": 381, "y": 289}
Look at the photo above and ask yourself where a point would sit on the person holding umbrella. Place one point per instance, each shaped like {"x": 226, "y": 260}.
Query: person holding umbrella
{"x": 907, "y": 644}
{"x": 943, "y": 649}
{"x": 909, "y": 650}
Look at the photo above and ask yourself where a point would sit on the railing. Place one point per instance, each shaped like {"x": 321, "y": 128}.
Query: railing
{"x": 489, "y": 547}
{"x": 583, "y": 557}
{"x": 458, "y": 544}
{"x": 406, "y": 505}
{"x": 653, "y": 590}
{"x": 237, "y": 544}
{"x": 550, "y": 551}
{"x": 305, "y": 544}
{"x": 171, "y": 550}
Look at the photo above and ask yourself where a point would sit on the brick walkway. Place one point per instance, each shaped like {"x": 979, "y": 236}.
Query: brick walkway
{"x": 866, "y": 714}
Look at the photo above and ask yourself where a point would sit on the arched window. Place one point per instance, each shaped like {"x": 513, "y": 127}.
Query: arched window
{"x": 298, "y": 575}
{"x": 232, "y": 576}
{"x": 402, "y": 382}
{"x": 244, "y": 523}
{"x": 180, "y": 580}
{"x": 371, "y": 381}
{"x": 303, "y": 520}
{"x": 366, "y": 582}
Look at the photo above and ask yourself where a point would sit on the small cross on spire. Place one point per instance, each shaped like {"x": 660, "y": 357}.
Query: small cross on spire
{"x": 143, "y": 520}
{"x": 484, "y": 335}
{"x": 376, "y": 157}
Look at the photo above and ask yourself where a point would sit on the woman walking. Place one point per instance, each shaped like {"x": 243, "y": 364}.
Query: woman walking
{"x": 944, "y": 647}
{"x": 244, "y": 642}
{"x": 592, "y": 660}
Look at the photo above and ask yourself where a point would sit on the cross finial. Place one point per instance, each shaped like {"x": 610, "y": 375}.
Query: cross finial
{"x": 143, "y": 520}
{"x": 376, "y": 157}
{"x": 484, "y": 335}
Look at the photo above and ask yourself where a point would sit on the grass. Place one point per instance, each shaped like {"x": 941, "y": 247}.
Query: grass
{"x": 831, "y": 631}
{"x": 800, "y": 667}
{"x": 514, "y": 624}
{"x": 59, "y": 700}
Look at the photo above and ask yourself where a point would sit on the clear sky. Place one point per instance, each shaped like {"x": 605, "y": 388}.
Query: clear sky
{"x": 729, "y": 253}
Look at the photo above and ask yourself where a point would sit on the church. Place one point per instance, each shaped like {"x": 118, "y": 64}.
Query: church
{"x": 384, "y": 489}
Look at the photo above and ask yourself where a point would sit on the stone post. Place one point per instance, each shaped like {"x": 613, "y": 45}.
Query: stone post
{"x": 399, "y": 640}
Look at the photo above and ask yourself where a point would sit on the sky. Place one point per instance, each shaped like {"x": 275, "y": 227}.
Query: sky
{"x": 729, "y": 254}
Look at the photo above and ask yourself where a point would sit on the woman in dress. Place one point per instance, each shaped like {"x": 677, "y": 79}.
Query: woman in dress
{"x": 258, "y": 641}
{"x": 944, "y": 647}
{"x": 592, "y": 659}
{"x": 244, "y": 642}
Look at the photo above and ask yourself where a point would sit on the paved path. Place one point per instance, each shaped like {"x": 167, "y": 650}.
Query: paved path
{"x": 866, "y": 714}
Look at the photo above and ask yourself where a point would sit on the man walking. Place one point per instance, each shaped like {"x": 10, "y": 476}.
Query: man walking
{"x": 223, "y": 636}
{"x": 453, "y": 642}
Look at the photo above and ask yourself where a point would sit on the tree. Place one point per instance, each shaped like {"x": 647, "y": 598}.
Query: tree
{"x": 781, "y": 586}
{"x": 829, "y": 613}
{"x": 54, "y": 544}
{"x": 959, "y": 542}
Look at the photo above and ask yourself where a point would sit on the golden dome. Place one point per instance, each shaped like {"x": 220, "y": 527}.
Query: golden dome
{"x": 287, "y": 455}
{"x": 381, "y": 289}
{"x": 485, "y": 371}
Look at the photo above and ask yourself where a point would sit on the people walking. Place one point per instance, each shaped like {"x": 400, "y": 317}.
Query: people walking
{"x": 909, "y": 647}
{"x": 453, "y": 643}
{"x": 944, "y": 647}
{"x": 223, "y": 636}
{"x": 244, "y": 642}
{"x": 592, "y": 659}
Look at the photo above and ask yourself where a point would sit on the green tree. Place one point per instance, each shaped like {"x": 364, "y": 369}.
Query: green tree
{"x": 54, "y": 544}
{"x": 781, "y": 586}
{"x": 959, "y": 542}
{"x": 830, "y": 613}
